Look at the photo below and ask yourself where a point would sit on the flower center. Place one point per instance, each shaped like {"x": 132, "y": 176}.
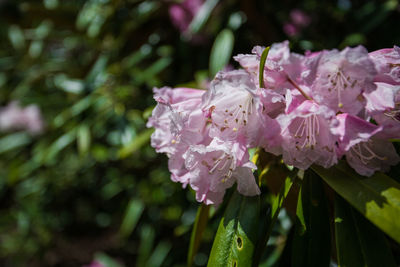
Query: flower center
{"x": 364, "y": 152}
{"x": 223, "y": 165}
{"x": 307, "y": 132}
{"x": 395, "y": 113}
{"x": 340, "y": 82}
{"x": 238, "y": 115}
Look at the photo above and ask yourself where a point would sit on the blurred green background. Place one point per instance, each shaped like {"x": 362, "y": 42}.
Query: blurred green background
{"x": 89, "y": 187}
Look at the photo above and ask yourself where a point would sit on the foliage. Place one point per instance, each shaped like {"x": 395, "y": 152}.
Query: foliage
{"x": 90, "y": 186}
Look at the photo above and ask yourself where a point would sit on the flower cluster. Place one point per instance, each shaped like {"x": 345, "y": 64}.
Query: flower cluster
{"x": 311, "y": 109}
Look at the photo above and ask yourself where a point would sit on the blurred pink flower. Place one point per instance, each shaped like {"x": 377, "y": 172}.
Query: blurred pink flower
{"x": 94, "y": 264}
{"x": 299, "y": 18}
{"x": 13, "y": 117}
{"x": 182, "y": 14}
{"x": 290, "y": 29}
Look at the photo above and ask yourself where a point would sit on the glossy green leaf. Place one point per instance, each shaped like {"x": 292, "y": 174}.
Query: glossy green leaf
{"x": 312, "y": 240}
{"x": 263, "y": 59}
{"x": 237, "y": 233}
{"x": 358, "y": 242}
{"x": 276, "y": 205}
{"x": 221, "y": 51}
{"x": 198, "y": 228}
{"x": 376, "y": 197}
{"x": 279, "y": 199}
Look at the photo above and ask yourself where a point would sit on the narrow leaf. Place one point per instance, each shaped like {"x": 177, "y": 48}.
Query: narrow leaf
{"x": 58, "y": 145}
{"x": 376, "y": 197}
{"x": 198, "y": 228}
{"x": 136, "y": 143}
{"x": 147, "y": 235}
{"x": 221, "y": 51}
{"x": 132, "y": 215}
{"x": 160, "y": 253}
{"x": 202, "y": 15}
{"x": 83, "y": 139}
{"x": 263, "y": 59}
{"x": 13, "y": 141}
{"x": 237, "y": 233}
{"x": 311, "y": 243}
{"x": 358, "y": 242}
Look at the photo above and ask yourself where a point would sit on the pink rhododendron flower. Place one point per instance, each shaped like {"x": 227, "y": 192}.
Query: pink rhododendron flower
{"x": 384, "y": 106}
{"x": 352, "y": 130}
{"x": 13, "y": 117}
{"x": 342, "y": 77}
{"x": 387, "y": 62}
{"x": 235, "y": 111}
{"x": 365, "y": 149}
{"x": 178, "y": 123}
{"x": 307, "y": 137}
{"x": 381, "y": 99}
{"x": 371, "y": 156}
{"x": 174, "y": 116}
{"x": 216, "y": 167}
{"x": 279, "y": 66}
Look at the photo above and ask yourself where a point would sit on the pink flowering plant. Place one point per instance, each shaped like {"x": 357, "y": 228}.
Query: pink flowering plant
{"x": 323, "y": 126}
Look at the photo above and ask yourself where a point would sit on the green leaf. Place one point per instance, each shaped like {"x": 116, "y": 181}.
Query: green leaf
{"x": 198, "y": 228}
{"x": 136, "y": 143}
{"x": 147, "y": 235}
{"x": 160, "y": 253}
{"x": 16, "y": 36}
{"x": 263, "y": 59}
{"x": 83, "y": 139}
{"x": 358, "y": 242}
{"x": 58, "y": 145}
{"x": 132, "y": 214}
{"x": 376, "y": 197}
{"x": 149, "y": 75}
{"x": 221, "y": 51}
{"x": 13, "y": 141}
{"x": 202, "y": 15}
{"x": 276, "y": 205}
{"x": 237, "y": 233}
{"x": 279, "y": 200}
{"x": 106, "y": 260}
{"x": 312, "y": 240}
